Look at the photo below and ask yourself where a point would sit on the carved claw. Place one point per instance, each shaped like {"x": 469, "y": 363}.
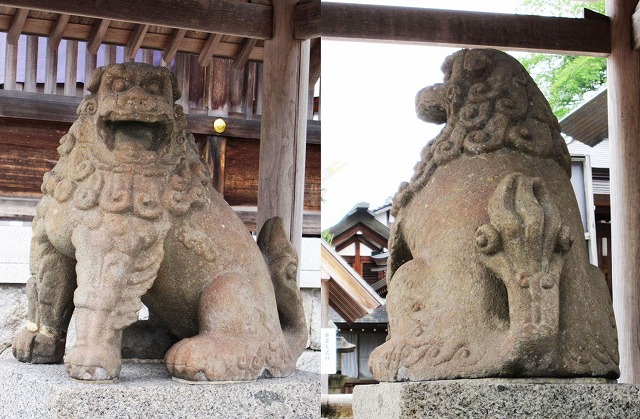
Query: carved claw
{"x": 524, "y": 245}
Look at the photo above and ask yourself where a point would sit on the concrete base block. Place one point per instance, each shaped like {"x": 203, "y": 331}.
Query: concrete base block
{"x": 147, "y": 391}
{"x": 498, "y": 398}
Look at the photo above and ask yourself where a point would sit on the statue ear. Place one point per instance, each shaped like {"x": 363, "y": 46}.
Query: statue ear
{"x": 96, "y": 77}
{"x": 175, "y": 87}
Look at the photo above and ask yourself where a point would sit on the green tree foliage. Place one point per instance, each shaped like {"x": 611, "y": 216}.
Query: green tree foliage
{"x": 327, "y": 236}
{"x": 564, "y": 79}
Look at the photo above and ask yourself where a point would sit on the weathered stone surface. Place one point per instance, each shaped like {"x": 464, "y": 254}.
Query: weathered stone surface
{"x": 129, "y": 215}
{"x": 485, "y": 279}
{"x": 13, "y": 311}
{"x": 309, "y": 361}
{"x": 496, "y": 398}
{"x": 312, "y": 309}
{"x": 147, "y": 391}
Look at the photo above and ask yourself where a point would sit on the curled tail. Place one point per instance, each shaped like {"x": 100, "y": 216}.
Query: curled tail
{"x": 282, "y": 261}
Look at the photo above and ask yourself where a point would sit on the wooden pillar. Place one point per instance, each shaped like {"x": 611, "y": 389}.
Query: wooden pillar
{"x": 624, "y": 134}
{"x": 284, "y": 124}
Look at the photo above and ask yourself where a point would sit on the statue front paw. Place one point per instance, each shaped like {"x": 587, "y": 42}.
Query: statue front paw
{"x": 93, "y": 363}
{"x": 207, "y": 357}
{"x": 38, "y": 348}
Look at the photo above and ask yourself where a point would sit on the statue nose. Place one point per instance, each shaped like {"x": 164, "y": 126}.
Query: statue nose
{"x": 136, "y": 99}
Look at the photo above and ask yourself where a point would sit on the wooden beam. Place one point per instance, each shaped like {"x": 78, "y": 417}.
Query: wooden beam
{"x": 209, "y": 49}
{"x": 284, "y": 124}
{"x": 307, "y": 20}
{"x": 172, "y": 47}
{"x": 466, "y": 29}
{"x": 137, "y": 36}
{"x": 37, "y": 106}
{"x": 247, "y": 20}
{"x": 635, "y": 22}
{"x": 115, "y": 36}
{"x": 97, "y": 36}
{"x": 244, "y": 53}
{"x": 623, "y": 74}
{"x": 17, "y": 25}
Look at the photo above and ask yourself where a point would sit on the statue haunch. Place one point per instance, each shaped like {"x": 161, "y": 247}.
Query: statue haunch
{"x": 488, "y": 271}
{"x": 129, "y": 215}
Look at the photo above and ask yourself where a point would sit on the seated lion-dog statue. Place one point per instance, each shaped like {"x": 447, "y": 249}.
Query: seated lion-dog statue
{"x": 129, "y": 216}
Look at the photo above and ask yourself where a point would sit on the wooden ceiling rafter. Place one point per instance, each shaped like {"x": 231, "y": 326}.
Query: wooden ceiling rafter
{"x": 247, "y": 20}
{"x": 99, "y": 33}
{"x": 209, "y": 49}
{"x": 172, "y": 46}
{"x": 137, "y": 36}
{"x": 244, "y": 53}
{"x": 17, "y": 24}
{"x": 557, "y": 35}
{"x": 58, "y": 30}
{"x": 97, "y": 36}
{"x": 314, "y": 62}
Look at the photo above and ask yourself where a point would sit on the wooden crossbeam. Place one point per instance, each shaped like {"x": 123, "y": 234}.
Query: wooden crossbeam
{"x": 137, "y": 36}
{"x": 17, "y": 25}
{"x": 97, "y": 36}
{"x": 307, "y": 20}
{"x": 172, "y": 47}
{"x": 466, "y": 29}
{"x": 116, "y": 36}
{"x": 37, "y": 106}
{"x": 244, "y": 53}
{"x": 247, "y": 20}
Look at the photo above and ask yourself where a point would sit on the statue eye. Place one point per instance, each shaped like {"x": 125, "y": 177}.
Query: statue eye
{"x": 153, "y": 88}
{"x": 119, "y": 85}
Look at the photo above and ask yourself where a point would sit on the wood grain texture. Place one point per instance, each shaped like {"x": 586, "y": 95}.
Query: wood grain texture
{"x": 245, "y": 51}
{"x": 314, "y": 62}
{"x": 623, "y": 67}
{"x": 284, "y": 124}
{"x": 466, "y": 29}
{"x": 97, "y": 35}
{"x": 10, "y": 66}
{"x": 174, "y": 43}
{"x": 116, "y": 36}
{"x": 242, "y": 174}
{"x": 204, "y": 58}
{"x": 17, "y": 25}
{"x": 221, "y": 16}
{"x": 31, "y": 64}
{"x": 71, "y": 69}
{"x": 24, "y": 105}
{"x": 137, "y": 36}
{"x": 58, "y": 30}
{"x": 307, "y": 20}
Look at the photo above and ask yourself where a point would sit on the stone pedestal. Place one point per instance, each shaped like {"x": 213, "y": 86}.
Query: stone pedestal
{"x": 498, "y": 398}
{"x": 147, "y": 391}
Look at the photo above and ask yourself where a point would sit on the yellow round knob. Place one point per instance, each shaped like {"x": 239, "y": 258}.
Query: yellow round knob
{"x": 219, "y": 125}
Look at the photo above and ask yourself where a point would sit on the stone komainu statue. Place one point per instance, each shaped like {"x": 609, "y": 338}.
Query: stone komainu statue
{"x": 488, "y": 271}
{"x": 128, "y": 213}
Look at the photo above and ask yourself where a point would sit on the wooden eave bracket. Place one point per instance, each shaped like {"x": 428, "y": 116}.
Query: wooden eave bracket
{"x": 244, "y": 53}
{"x": 17, "y": 24}
{"x": 635, "y": 28}
{"x": 56, "y": 33}
{"x": 307, "y": 20}
{"x": 97, "y": 35}
{"x": 467, "y": 29}
{"x": 137, "y": 36}
{"x": 172, "y": 47}
{"x": 209, "y": 49}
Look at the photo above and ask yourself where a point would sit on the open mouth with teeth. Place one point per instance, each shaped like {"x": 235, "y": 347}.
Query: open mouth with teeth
{"x": 134, "y": 135}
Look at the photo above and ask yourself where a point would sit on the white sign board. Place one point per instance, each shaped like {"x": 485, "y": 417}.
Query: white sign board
{"x": 328, "y": 350}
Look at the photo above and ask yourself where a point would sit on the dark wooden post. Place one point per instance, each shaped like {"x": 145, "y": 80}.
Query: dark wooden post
{"x": 284, "y": 124}
{"x": 624, "y": 133}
